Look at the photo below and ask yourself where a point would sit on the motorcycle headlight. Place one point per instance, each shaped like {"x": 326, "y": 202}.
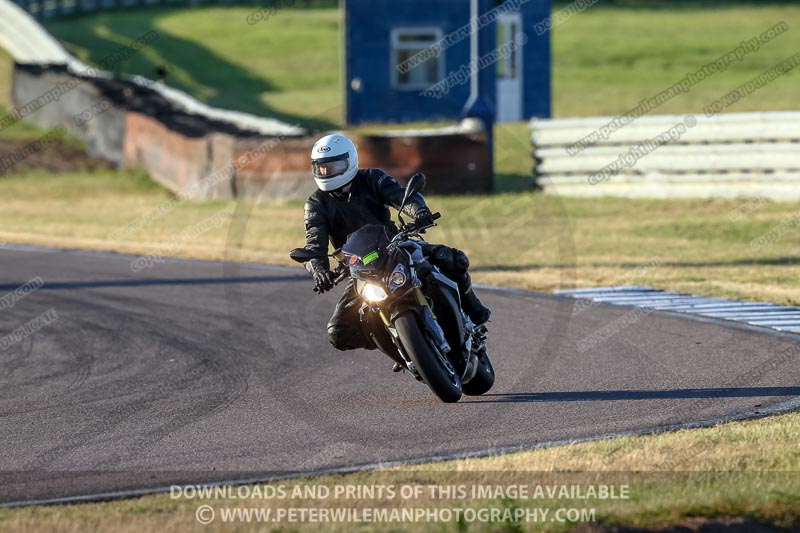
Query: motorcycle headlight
{"x": 373, "y": 293}
{"x": 397, "y": 279}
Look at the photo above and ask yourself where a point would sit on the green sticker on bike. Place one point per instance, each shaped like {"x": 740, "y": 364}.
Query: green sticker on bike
{"x": 370, "y": 257}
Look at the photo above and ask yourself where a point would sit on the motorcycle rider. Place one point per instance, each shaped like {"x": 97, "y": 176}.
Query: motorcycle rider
{"x": 349, "y": 198}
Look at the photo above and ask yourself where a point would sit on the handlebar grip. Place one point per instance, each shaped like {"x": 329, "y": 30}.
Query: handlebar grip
{"x": 436, "y": 216}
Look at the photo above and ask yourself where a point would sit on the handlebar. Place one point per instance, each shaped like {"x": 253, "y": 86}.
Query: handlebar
{"x": 341, "y": 271}
{"x": 412, "y": 228}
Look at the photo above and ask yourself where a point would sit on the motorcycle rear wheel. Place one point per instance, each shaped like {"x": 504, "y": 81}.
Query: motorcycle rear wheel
{"x": 483, "y": 380}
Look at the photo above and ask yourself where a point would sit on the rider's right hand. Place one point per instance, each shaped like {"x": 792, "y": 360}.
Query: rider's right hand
{"x": 323, "y": 279}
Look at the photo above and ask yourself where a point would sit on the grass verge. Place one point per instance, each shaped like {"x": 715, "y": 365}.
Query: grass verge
{"x": 744, "y": 469}
{"x": 730, "y": 248}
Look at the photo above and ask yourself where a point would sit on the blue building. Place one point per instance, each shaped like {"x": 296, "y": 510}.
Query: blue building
{"x": 412, "y": 60}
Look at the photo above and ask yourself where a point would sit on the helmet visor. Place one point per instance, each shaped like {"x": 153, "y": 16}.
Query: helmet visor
{"x": 330, "y": 167}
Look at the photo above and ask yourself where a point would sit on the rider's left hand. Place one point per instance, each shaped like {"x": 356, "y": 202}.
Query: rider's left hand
{"x": 424, "y": 218}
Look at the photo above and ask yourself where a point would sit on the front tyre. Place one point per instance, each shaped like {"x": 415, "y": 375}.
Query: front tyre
{"x": 434, "y": 367}
{"x": 483, "y": 380}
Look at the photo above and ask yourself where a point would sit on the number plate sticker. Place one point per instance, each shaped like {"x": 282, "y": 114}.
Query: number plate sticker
{"x": 370, "y": 257}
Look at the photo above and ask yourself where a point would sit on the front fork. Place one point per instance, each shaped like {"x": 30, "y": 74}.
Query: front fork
{"x": 421, "y": 300}
{"x": 429, "y": 323}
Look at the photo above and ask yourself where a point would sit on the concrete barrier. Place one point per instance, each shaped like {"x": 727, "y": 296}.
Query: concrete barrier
{"x": 178, "y": 162}
{"x": 219, "y": 165}
{"x": 455, "y": 163}
{"x": 80, "y": 107}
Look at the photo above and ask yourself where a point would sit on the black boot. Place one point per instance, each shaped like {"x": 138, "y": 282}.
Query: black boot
{"x": 471, "y": 304}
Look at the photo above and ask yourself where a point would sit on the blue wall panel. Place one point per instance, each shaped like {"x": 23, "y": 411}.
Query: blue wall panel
{"x": 537, "y": 62}
{"x": 368, "y": 50}
{"x": 368, "y": 28}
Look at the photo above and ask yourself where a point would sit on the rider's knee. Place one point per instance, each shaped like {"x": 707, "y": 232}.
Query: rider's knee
{"x": 460, "y": 260}
{"x": 449, "y": 259}
{"x": 340, "y": 338}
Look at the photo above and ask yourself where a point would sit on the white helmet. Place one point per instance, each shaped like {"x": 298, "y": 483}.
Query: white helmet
{"x": 334, "y": 162}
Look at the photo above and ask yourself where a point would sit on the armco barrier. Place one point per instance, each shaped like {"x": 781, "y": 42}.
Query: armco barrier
{"x": 727, "y": 155}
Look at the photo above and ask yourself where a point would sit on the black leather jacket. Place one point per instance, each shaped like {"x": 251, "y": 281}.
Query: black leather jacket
{"x": 331, "y": 217}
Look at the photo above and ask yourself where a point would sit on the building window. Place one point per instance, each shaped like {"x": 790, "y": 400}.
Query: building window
{"x": 411, "y": 71}
{"x": 507, "y": 36}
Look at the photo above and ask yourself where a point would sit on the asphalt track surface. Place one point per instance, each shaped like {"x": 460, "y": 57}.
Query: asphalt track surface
{"x": 194, "y": 371}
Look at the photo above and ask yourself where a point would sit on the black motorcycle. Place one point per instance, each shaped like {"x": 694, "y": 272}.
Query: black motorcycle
{"x": 410, "y": 309}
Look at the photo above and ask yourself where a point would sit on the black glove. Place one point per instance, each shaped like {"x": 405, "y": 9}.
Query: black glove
{"x": 323, "y": 279}
{"x": 423, "y": 218}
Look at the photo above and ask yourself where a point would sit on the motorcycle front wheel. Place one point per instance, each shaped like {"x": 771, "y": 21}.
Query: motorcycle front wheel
{"x": 434, "y": 367}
